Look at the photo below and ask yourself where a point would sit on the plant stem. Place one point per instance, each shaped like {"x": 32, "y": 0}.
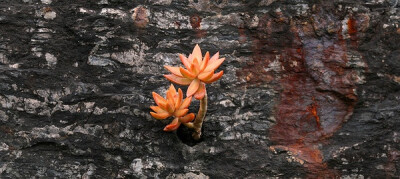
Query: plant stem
{"x": 198, "y": 122}
{"x": 189, "y": 125}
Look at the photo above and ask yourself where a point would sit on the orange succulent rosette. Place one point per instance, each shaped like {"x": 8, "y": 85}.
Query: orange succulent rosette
{"x": 173, "y": 105}
{"x": 198, "y": 71}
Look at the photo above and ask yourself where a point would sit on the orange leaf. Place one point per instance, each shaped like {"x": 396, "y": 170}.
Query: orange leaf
{"x": 185, "y": 61}
{"x": 213, "y": 58}
{"x": 173, "y": 125}
{"x": 204, "y": 76}
{"x": 186, "y": 73}
{"x": 179, "y": 98}
{"x": 187, "y": 118}
{"x": 171, "y": 90}
{"x": 171, "y": 102}
{"x": 205, "y": 62}
{"x": 180, "y": 112}
{"x": 196, "y": 69}
{"x": 160, "y": 101}
{"x": 190, "y": 59}
{"x": 174, "y": 70}
{"x": 186, "y": 103}
{"x": 197, "y": 53}
{"x": 213, "y": 66}
{"x": 178, "y": 80}
{"x": 200, "y": 92}
{"x": 157, "y": 109}
{"x": 194, "y": 85}
{"x": 160, "y": 115}
{"x": 215, "y": 77}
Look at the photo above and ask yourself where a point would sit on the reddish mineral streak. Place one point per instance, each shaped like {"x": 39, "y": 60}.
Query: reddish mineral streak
{"x": 312, "y": 109}
{"x": 317, "y": 90}
{"x": 352, "y": 30}
{"x": 195, "y": 21}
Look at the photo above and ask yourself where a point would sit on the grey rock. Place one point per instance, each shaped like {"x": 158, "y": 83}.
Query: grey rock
{"x": 310, "y": 89}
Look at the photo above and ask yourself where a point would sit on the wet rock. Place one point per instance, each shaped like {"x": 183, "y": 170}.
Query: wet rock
{"x": 310, "y": 89}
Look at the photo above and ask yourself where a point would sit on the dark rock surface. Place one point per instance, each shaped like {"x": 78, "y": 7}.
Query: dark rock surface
{"x": 311, "y": 88}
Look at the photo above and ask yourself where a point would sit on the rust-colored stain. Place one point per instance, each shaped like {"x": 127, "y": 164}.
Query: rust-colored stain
{"x": 140, "y": 17}
{"x": 47, "y": 9}
{"x": 195, "y": 21}
{"x": 351, "y": 24}
{"x": 352, "y": 30}
{"x": 316, "y": 88}
{"x": 312, "y": 109}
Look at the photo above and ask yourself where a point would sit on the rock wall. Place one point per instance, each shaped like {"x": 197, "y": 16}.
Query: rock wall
{"x": 310, "y": 90}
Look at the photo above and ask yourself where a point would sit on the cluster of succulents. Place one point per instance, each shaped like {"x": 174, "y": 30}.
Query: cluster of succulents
{"x": 196, "y": 73}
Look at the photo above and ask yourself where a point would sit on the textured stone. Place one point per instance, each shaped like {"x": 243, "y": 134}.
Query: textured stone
{"x": 310, "y": 89}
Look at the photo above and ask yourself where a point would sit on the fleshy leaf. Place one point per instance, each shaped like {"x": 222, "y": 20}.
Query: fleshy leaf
{"x": 215, "y": 77}
{"x": 185, "y": 61}
{"x": 186, "y": 103}
{"x": 204, "y": 63}
{"x": 196, "y": 64}
{"x": 171, "y": 90}
{"x": 157, "y": 109}
{"x": 178, "y": 80}
{"x": 213, "y": 58}
{"x": 186, "y": 73}
{"x": 188, "y": 118}
{"x": 160, "y": 101}
{"x": 179, "y": 98}
{"x": 193, "y": 87}
{"x": 204, "y": 76}
{"x": 180, "y": 112}
{"x": 197, "y": 53}
{"x": 160, "y": 115}
{"x": 214, "y": 65}
{"x": 171, "y": 102}
{"x": 173, "y": 125}
{"x": 200, "y": 92}
{"x": 173, "y": 70}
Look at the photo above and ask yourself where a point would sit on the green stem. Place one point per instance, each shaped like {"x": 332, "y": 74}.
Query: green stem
{"x": 198, "y": 122}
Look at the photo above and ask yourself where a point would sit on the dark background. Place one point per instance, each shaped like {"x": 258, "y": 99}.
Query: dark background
{"x": 311, "y": 88}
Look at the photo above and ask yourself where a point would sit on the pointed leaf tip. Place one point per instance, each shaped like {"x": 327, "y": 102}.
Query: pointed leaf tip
{"x": 173, "y": 70}
{"x": 197, "y": 53}
{"x": 160, "y": 101}
{"x": 215, "y": 77}
{"x": 174, "y": 125}
{"x": 186, "y": 103}
{"x": 193, "y": 87}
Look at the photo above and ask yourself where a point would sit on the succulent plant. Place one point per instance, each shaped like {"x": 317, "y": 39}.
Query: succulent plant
{"x": 198, "y": 71}
{"x": 173, "y": 105}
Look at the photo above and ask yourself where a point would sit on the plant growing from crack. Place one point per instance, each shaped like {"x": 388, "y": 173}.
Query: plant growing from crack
{"x": 198, "y": 72}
